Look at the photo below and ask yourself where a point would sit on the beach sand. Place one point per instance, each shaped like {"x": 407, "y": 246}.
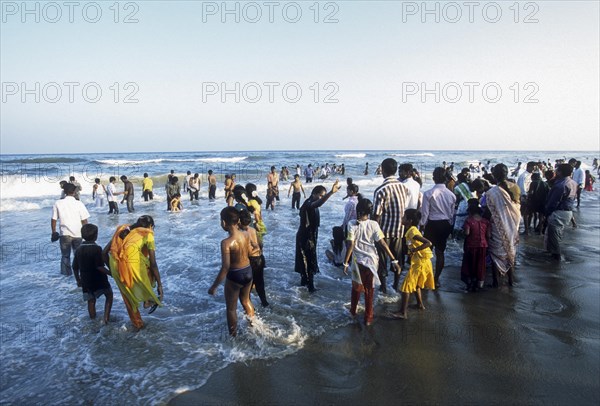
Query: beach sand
{"x": 535, "y": 343}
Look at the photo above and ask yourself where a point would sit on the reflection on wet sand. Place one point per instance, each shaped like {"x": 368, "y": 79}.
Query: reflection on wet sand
{"x": 537, "y": 342}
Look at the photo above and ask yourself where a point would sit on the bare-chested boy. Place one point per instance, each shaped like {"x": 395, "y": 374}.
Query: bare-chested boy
{"x": 229, "y": 185}
{"x": 235, "y": 268}
{"x": 272, "y": 188}
{"x": 212, "y": 185}
{"x": 296, "y": 185}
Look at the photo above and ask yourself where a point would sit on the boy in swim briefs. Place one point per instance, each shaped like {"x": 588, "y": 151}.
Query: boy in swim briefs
{"x": 235, "y": 268}
{"x": 296, "y": 185}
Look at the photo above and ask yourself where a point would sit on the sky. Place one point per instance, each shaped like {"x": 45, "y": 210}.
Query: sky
{"x": 348, "y": 75}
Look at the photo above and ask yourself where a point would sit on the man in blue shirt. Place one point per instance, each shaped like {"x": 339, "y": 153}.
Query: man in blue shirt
{"x": 559, "y": 208}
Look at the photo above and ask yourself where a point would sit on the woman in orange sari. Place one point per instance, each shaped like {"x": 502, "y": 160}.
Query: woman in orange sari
{"x": 131, "y": 259}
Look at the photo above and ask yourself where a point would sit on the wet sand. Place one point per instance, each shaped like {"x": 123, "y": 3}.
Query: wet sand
{"x": 535, "y": 343}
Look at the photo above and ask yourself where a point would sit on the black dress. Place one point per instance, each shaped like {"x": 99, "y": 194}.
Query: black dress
{"x": 306, "y": 263}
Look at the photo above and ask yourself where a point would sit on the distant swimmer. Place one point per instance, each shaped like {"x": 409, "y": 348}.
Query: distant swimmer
{"x": 366, "y": 169}
{"x": 309, "y": 173}
{"x": 98, "y": 193}
{"x": 212, "y": 185}
{"x": 62, "y": 184}
{"x": 90, "y": 272}
{"x": 186, "y": 181}
{"x": 173, "y": 188}
{"x": 194, "y": 187}
{"x": 229, "y": 185}
{"x": 77, "y": 187}
{"x": 127, "y": 193}
{"x": 147, "y": 186}
{"x": 111, "y": 193}
{"x": 235, "y": 269}
{"x": 297, "y": 187}
{"x": 272, "y": 188}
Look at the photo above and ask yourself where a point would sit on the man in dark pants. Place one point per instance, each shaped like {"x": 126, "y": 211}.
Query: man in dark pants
{"x": 388, "y": 208}
{"x": 438, "y": 217}
{"x": 212, "y": 185}
{"x": 127, "y": 193}
{"x": 71, "y": 214}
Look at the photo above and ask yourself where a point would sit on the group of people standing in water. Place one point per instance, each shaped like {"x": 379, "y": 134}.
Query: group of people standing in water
{"x": 401, "y": 225}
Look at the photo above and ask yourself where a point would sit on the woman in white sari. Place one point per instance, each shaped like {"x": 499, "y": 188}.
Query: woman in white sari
{"x": 503, "y": 205}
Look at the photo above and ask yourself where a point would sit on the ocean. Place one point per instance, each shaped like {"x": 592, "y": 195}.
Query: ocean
{"x": 51, "y": 352}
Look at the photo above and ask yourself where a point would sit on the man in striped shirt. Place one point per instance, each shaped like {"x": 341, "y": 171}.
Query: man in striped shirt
{"x": 388, "y": 208}
{"x": 438, "y": 217}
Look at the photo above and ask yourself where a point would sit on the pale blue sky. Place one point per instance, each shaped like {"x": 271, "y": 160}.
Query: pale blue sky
{"x": 368, "y": 54}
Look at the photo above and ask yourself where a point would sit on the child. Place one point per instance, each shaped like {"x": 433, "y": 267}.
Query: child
{"x": 235, "y": 250}
{"x": 297, "y": 186}
{"x": 363, "y": 234}
{"x": 477, "y": 233}
{"x": 257, "y": 259}
{"x": 176, "y": 203}
{"x": 338, "y": 251}
{"x": 254, "y": 203}
{"x": 589, "y": 181}
{"x": 90, "y": 273}
{"x": 420, "y": 274}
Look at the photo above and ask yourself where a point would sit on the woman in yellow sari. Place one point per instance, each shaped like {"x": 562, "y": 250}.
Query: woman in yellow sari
{"x": 131, "y": 259}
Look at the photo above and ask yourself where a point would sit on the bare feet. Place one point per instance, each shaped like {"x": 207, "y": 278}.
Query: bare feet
{"x": 421, "y": 306}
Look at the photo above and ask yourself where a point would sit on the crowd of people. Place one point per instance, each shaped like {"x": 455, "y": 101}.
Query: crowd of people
{"x": 484, "y": 206}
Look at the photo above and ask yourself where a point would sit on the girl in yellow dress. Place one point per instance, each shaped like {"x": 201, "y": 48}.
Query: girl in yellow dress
{"x": 420, "y": 274}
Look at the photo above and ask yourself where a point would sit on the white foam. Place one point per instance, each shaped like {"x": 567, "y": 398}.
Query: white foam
{"x": 350, "y": 155}
{"x": 16, "y": 186}
{"x": 117, "y": 162}
{"x": 17, "y": 205}
{"x": 419, "y": 154}
{"x": 221, "y": 159}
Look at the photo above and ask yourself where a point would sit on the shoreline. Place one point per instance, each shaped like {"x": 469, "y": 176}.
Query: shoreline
{"x": 538, "y": 342}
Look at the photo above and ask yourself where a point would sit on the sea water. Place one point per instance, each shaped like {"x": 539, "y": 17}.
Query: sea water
{"x": 51, "y": 352}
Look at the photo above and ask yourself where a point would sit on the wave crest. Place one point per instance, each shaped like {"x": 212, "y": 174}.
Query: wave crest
{"x": 350, "y": 155}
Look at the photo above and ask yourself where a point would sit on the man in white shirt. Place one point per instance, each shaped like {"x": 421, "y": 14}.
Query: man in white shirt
{"x": 438, "y": 217}
{"x": 71, "y": 214}
{"x": 186, "y": 183}
{"x": 111, "y": 193}
{"x": 415, "y": 196}
{"x": 524, "y": 182}
{"x": 578, "y": 177}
